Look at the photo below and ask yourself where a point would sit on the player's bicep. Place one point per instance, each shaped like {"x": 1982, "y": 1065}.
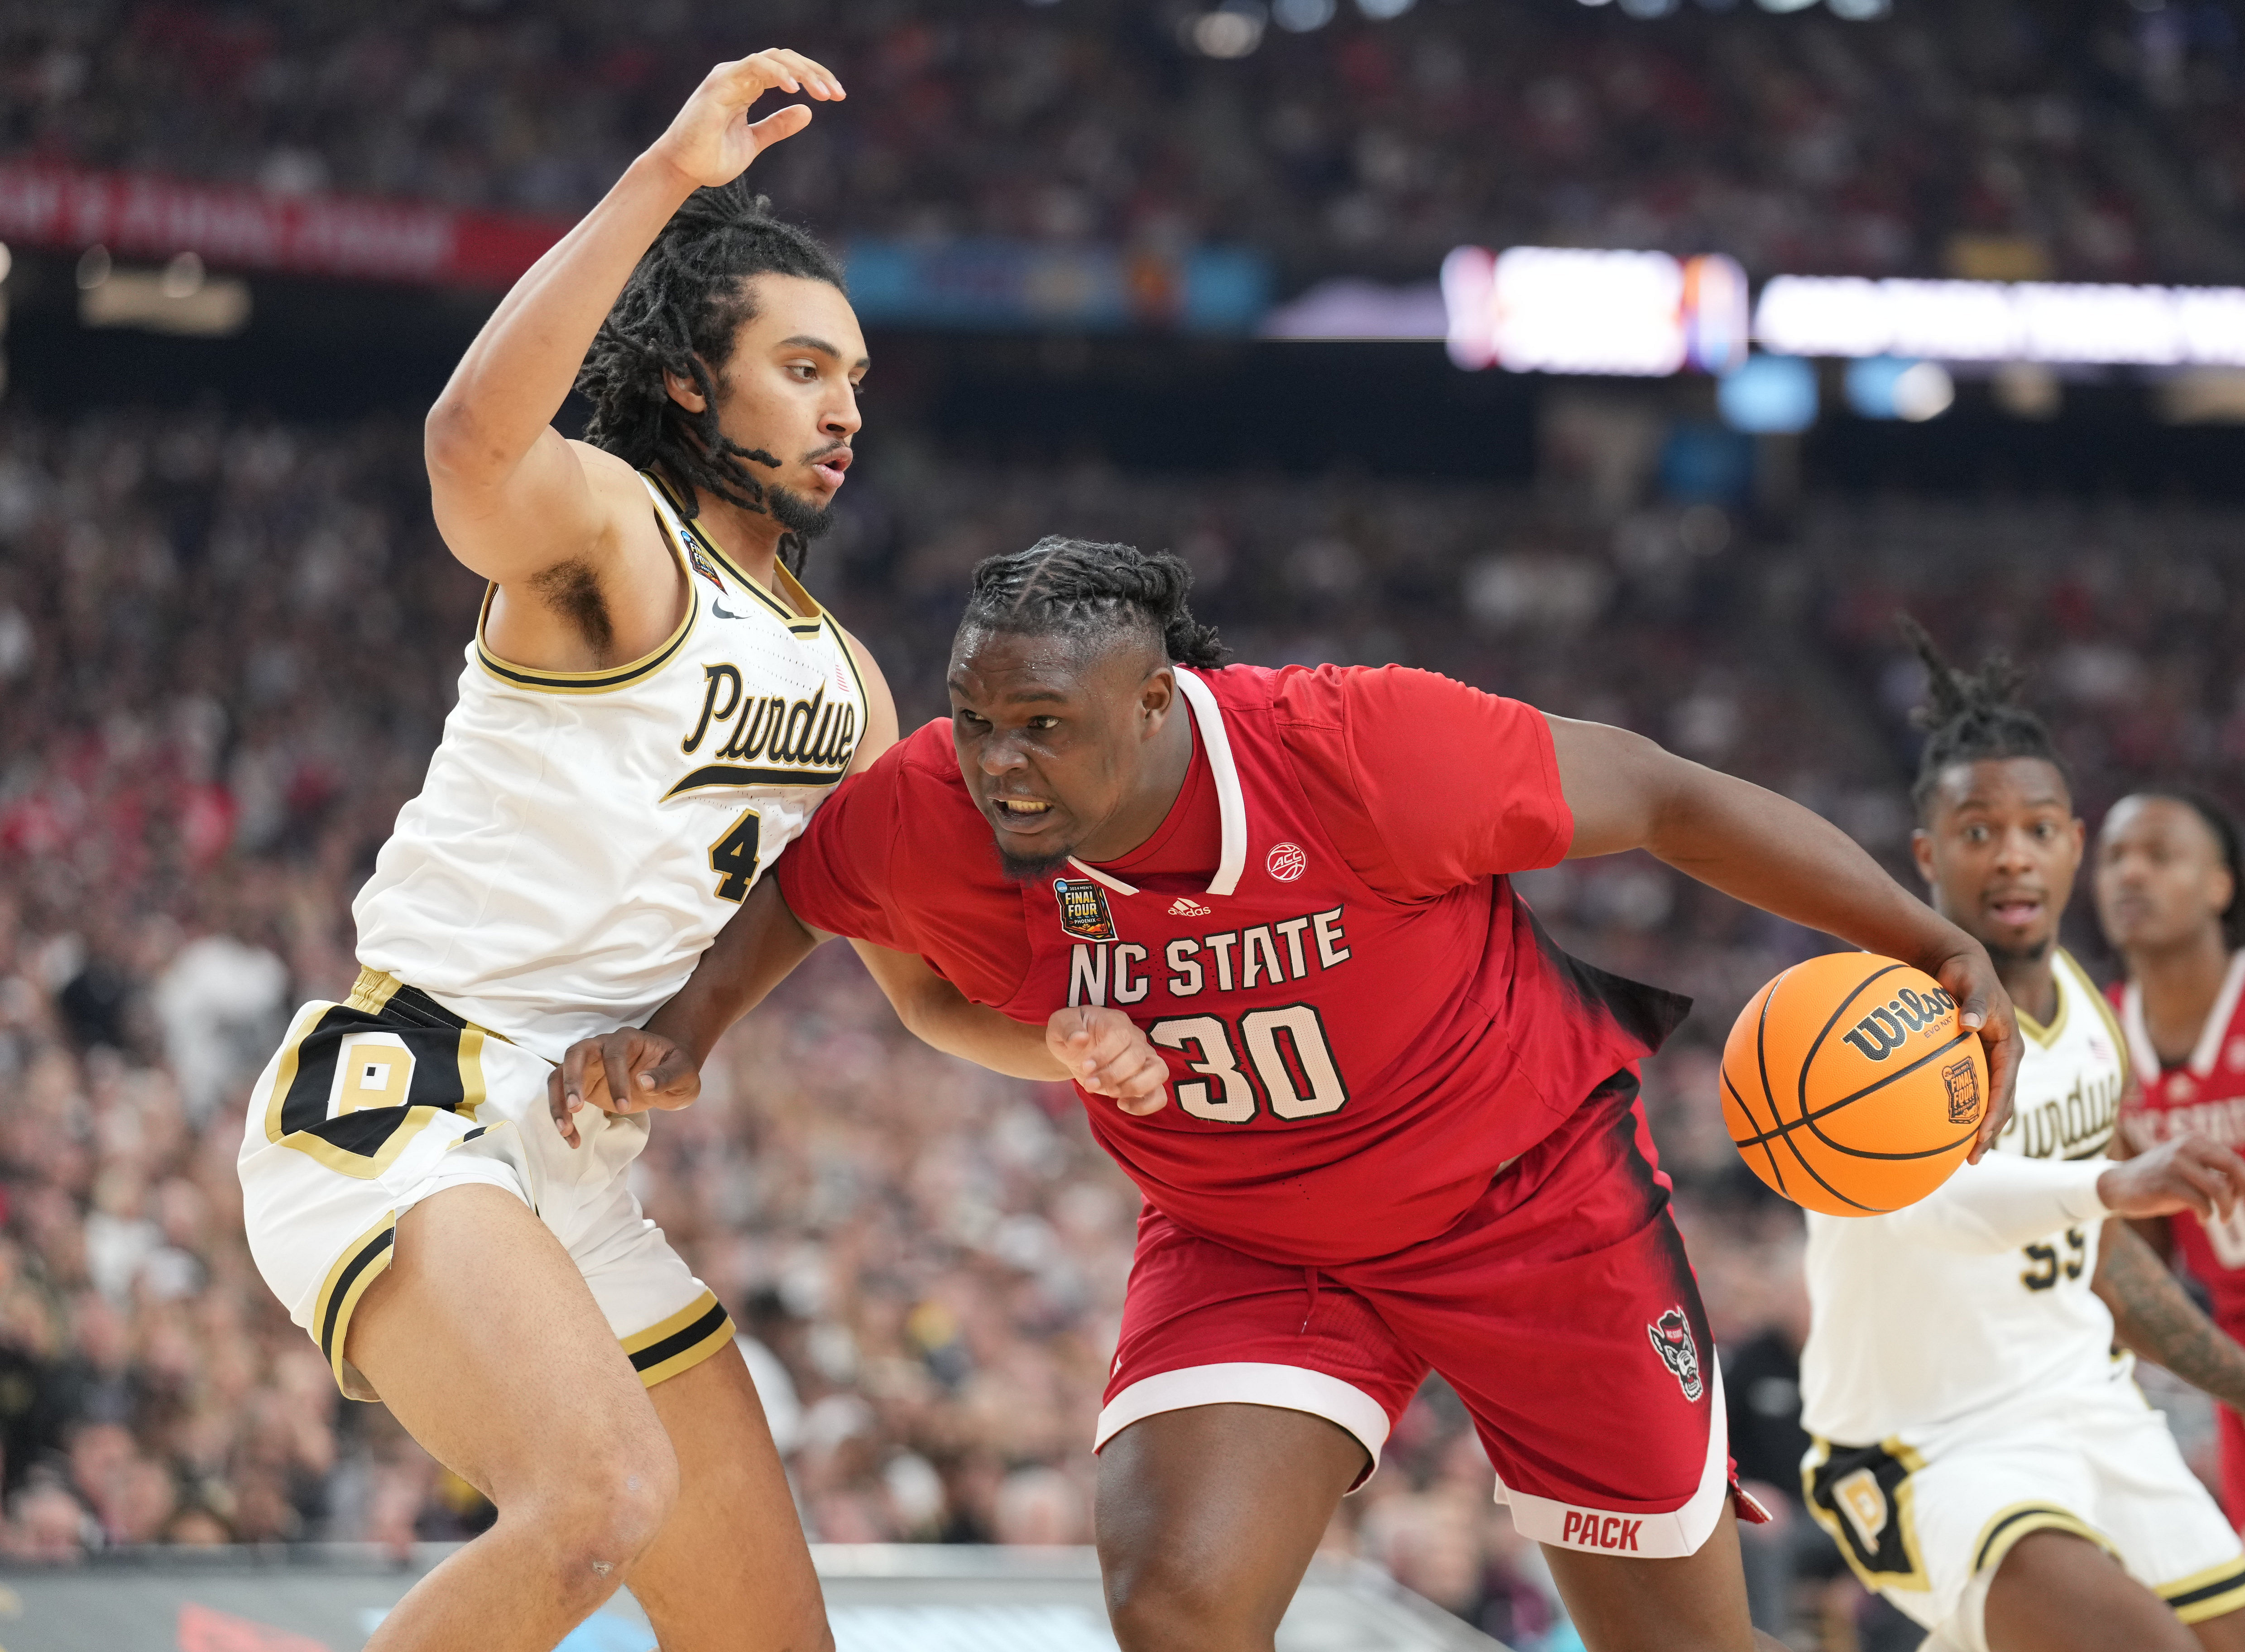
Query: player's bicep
{"x": 562, "y": 501}
{"x": 1616, "y": 783}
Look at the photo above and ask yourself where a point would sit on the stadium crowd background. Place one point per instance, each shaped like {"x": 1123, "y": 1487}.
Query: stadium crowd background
{"x": 2104, "y": 132}
{"x": 227, "y": 644}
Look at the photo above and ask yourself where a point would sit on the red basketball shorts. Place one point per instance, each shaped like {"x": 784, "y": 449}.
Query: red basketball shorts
{"x": 1560, "y": 1308}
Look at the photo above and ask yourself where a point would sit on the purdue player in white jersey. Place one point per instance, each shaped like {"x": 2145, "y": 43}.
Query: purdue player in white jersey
{"x": 651, "y": 707}
{"x": 1981, "y": 1453}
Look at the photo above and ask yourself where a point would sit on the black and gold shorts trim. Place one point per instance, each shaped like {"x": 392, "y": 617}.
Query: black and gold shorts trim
{"x": 363, "y": 1262}
{"x": 2006, "y": 1526}
{"x": 677, "y": 1344}
{"x": 2213, "y": 1593}
{"x": 1861, "y": 1495}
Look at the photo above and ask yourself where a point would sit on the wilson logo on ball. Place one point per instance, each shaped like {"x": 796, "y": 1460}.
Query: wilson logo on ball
{"x": 1880, "y": 1033}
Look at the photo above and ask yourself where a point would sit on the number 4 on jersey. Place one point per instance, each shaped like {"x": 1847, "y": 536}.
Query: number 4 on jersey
{"x": 1287, "y": 1048}
{"x": 733, "y": 857}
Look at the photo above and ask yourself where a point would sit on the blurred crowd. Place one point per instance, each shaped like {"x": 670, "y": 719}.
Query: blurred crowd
{"x": 2008, "y": 138}
{"x": 225, "y": 648}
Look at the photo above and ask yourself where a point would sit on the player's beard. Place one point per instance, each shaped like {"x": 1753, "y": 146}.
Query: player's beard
{"x": 2017, "y": 957}
{"x": 1021, "y": 869}
{"x": 798, "y": 514}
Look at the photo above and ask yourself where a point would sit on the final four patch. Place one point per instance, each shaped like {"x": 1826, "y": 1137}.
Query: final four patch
{"x": 1083, "y": 909}
{"x": 701, "y": 562}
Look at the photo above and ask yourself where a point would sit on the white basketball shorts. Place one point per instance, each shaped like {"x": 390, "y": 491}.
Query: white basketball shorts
{"x": 371, "y": 1106}
{"x": 1926, "y": 1521}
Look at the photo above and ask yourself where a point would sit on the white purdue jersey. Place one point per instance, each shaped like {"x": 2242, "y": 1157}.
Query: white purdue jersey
{"x": 582, "y": 836}
{"x": 1913, "y": 1330}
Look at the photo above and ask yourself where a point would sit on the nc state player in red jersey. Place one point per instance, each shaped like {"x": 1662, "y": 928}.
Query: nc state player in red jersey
{"x": 1400, "y": 1130}
{"x": 2167, "y": 876}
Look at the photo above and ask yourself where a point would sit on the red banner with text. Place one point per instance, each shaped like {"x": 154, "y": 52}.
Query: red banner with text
{"x": 354, "y": 237}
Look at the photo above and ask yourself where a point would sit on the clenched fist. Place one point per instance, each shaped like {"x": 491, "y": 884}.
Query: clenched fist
{"x": 1107, "y": 1052}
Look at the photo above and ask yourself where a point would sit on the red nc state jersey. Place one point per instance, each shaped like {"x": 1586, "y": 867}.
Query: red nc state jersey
{"x": 2205, "y": 1096}
{"x": 1348, "y": 1069}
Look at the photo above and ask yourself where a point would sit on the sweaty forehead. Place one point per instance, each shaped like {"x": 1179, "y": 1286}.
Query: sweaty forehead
{"x": 985, "y": 660}
{"x": 2000, "y": 784}
{"x": 2169, "y": 821}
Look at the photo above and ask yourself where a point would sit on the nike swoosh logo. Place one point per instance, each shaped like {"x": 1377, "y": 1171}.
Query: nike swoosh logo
{"x": 720, "y": 610}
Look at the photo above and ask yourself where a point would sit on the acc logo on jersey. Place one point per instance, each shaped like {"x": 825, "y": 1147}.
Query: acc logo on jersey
{"x": 1083, "y": 909}
{"x": 1671, "y": 1340}
{"x": 1286, "y": 862}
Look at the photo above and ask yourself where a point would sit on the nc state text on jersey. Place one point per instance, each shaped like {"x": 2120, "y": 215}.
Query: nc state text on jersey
{"x": 1228, "y": 960}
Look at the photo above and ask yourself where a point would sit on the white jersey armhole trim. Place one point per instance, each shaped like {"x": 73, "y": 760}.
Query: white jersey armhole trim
{"x": 1231, "y": 802}
{"x": 2218, "y": 1018}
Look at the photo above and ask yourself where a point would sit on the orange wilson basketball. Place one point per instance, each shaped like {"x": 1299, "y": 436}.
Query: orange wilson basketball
{"x": 1849, "y": 1087}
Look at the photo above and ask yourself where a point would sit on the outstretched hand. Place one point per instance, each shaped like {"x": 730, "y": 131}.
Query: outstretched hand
{"x": 1109, "y": 1054}
{"x": 1984, "y": 1007}
{"x": 628, "y": 1071}
{"x": 2183, "y": 1172}
{"x": 711, "y": 141}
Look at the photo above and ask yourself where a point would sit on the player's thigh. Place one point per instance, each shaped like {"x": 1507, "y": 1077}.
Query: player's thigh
{"x": 729, "y": 1569}
{"x": 1694, "y": 1602}
{"x": 2224, "y": 1633}
{"x": 1207, "y": 1518}
{"x": 2057, "y": 1592}
{"x": 486, "y": 1343}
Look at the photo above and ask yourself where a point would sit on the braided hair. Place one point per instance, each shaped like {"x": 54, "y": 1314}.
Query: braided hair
{"x": 1081, "y": 589}
{"x": 1971, "y": 716}
{"x": 2227, "y": 839}
{"x": 680, "y": 313}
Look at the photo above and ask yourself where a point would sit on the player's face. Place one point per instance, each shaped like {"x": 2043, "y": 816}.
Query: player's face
{"x": 2158, "y": 878}
{"x": 788, "y": 395}
{"x": 1999, "y": 852}
{"x": 1052, "y": 736}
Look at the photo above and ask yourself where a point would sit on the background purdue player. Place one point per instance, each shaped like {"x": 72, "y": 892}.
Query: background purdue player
{"x": 1980, "y": 1453}
{"x": 2167, "y": 884}
{"x": 652, "y": 708}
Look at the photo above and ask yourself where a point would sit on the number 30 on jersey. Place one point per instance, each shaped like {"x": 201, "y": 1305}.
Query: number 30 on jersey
{"x": 1287, "y": 1049}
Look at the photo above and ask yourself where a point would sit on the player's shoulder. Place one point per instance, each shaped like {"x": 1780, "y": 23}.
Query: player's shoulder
{"x": 1332, "y": 696}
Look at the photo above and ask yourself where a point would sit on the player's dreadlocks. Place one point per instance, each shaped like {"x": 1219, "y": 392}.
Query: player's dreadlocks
{"x": 680, "y": 313}
{"x": 1078, "y": 588}
{"x": 1971, "y": 716}
{"x": 2223, "y": 826}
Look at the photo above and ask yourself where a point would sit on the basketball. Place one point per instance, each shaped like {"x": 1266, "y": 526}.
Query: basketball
{"x": 1849, "y": 1087}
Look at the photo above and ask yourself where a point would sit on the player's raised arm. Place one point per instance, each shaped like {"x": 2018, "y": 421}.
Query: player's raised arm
{"x": 512, "y": 498}
{"x": 1626, "y": 793}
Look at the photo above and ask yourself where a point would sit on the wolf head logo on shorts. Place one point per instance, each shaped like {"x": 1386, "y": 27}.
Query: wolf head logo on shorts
{"x": 1964, "y": 1091}
{"x": 1671, "y": 1340}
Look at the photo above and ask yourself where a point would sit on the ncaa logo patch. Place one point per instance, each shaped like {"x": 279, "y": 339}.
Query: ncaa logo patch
{"x": 1671, "y": 1340}
{"x": 1083, "y": 911}
{"x": 701, "y": 562}
{"x": 1286, "y": 862}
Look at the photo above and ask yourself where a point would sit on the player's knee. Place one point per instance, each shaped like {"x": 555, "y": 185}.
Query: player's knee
{"x": 604, "y": 1513}
{"x": 1159, "y": 1604}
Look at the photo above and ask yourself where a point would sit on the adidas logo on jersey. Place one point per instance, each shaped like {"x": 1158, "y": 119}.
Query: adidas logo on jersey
{"x": 1185, "y": 907}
